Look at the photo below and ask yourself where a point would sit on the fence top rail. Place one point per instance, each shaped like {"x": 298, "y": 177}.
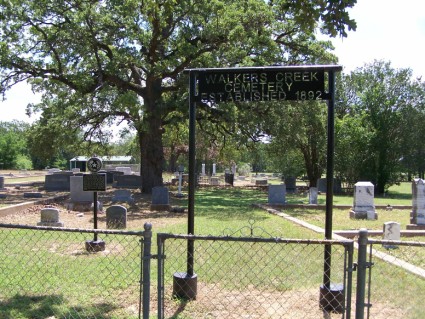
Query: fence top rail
{"x": 348, "y": 242}
{"x": 74, "y": 230}
{"x": 395, "y": 242}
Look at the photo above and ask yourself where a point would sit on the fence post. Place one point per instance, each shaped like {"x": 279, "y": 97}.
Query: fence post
{"x": 146, "y": 265}
{"x": 361, "y": 273}
{"x": 160, "y": 277}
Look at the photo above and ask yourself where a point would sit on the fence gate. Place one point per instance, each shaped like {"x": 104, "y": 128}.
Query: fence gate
{"x": 46, "y": 272}
{"x": 390, "y": 279}
{"x": 249, "y": 277}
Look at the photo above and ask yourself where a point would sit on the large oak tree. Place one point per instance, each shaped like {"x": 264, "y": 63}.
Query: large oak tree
{"x": 100, "y": 60}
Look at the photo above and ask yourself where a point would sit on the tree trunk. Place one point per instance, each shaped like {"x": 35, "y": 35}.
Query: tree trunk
{"x": 152, "y": 156}
{"x": 172, "y": 165}
{"x": 150, "y": 139}
{"x": 312, "y": 167}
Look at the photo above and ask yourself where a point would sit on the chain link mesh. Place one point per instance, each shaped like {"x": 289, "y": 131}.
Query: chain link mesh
{"x": 396, "y": 285}
{"x": 47, "y": 273}
{"x": 251, "y": 278}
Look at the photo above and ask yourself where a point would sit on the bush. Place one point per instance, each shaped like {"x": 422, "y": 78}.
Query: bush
{"x": 244, "y": 169}
{"x": 23, "y": 162}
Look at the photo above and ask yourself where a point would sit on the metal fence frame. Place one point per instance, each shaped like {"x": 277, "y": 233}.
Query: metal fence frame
{"x": 348, "y": 260}
{"x": 145, "y": 239}
{"x": 365, "y": 265}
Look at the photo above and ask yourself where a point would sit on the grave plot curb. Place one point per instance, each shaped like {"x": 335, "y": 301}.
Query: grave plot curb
{"x": 10, "y": 210}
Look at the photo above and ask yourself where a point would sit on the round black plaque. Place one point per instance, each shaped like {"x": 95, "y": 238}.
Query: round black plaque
{"x": 94, "y": 164}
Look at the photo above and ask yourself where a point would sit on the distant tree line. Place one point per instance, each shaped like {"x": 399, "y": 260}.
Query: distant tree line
{"x": 379, "y": 129}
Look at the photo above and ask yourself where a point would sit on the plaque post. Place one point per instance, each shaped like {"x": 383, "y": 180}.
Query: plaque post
{"x": 94, "y": 182}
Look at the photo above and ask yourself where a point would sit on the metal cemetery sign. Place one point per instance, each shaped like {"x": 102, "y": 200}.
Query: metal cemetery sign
{"x": 261, "y": 84}
{"x": 94, "y": 182}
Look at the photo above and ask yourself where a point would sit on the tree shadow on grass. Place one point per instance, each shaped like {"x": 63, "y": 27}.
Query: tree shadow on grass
{"x": 50, "y": 306}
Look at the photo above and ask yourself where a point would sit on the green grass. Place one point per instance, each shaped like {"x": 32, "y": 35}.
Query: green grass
{"x": 52, "y": 272}
{"x": 341, "y": 220}
{"x": 218, "y": 212}
{"x": 396, "y": 195}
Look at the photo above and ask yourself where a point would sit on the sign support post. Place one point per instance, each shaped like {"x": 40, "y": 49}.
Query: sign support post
{"x": 260, "y": 84}
{"x": 94, "y": 182}
{"x": 185, "y": 283}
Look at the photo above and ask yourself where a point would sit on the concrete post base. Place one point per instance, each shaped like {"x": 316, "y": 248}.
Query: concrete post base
{"x": 185, "y": 286}
{"x": 332, "y": 298}
{"x": 94, "y": 246}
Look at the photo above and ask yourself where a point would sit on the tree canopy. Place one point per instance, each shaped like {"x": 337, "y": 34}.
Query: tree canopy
{"x": 13, "y": 144}
{"x": 100, "y": 61}
{"x": 378, "y": 110}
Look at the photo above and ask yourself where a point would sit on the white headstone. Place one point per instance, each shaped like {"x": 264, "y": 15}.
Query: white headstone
{"x": 391, "y": 232}
{"x": 77, "y": 192}
{"x": 214, "y": 169}
{"x": 313, "y": 195}
{"x": 214, "y": 181}
{"x": 364, "y": 196}
{"x": 203, "y": 169}
{"x": 364, "y": 207}
{"x": 50, "y": 217}
{"x": 234, "y": 168}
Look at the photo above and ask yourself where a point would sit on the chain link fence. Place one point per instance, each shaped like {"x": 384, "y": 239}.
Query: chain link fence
{"x": 46, "y": 272}
{"x": 395, "y": 279}
{"x": 243, "y": 277}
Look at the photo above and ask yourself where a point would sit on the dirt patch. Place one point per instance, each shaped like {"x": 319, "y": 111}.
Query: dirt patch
{"x": 215, "y": 301}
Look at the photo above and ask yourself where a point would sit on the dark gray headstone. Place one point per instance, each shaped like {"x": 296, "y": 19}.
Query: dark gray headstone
{"x": 277, "y": 194}
{"x": 116, "y": 217}
{"x": 57, "y": 182}
{"x": 160, "y": 198}
{"x": 115, "y": 174}
{"x": 418, "y": 202}
{"x": 128, "y": 181}
{"x": 109, "y": 176}
{"x": 33, "y": 195}
{"x": 122, "y": 195}
{"x": 261, "y": 182}
{"x": 160, "y": 195}
{"x": 322, "y": 186}
{"x": 1, "y": 182}
{"x": 291, "y": 184}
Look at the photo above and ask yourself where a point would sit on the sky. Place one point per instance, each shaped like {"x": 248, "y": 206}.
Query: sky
{"x": 390, "y": 30}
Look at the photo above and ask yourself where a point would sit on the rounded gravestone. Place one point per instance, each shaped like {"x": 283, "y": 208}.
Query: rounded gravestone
{"x": 116, "y": 217}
